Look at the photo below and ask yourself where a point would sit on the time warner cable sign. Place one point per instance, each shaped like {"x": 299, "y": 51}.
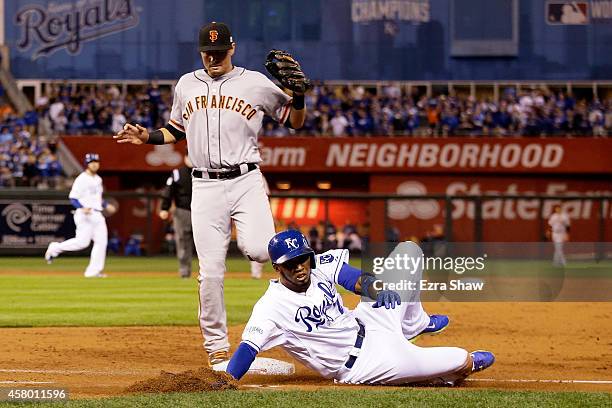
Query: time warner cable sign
{"x": 67, "y": 25}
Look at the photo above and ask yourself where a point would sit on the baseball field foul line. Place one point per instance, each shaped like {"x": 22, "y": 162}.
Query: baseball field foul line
{"x": 27, "y": 382}
{"x": 518, "y": 380}
{"x": 119, "y": 373}
{"x": 78, "y": 372}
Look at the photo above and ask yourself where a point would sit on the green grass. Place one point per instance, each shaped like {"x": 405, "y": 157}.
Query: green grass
{"x": 409, "y": 397}
{"x": 51, "y": 299}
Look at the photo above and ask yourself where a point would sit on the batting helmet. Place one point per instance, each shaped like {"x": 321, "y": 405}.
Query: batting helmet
{"x": 287, "y": 245}
{"x": 91, "y": 157}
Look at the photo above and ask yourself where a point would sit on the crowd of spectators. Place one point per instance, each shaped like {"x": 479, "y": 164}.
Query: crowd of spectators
{"x": 27, "y": 143}
{"x": 393, "y": 110}
{"x": 26, "y": 160}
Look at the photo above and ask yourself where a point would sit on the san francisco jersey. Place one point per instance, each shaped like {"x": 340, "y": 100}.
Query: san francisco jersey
{"x": 88, "y": 190}
{"x": 314, "y": 326}
{"x": 222, "y": 116}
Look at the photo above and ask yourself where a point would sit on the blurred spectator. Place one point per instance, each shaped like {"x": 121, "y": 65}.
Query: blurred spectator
{"x": 133, "y": 245}
{"x": 114, "y": 243}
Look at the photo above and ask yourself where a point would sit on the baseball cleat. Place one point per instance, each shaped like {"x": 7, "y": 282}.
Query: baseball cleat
{"x": 437, "y": 324}
{"x": 97, "y": 275}
{"x": 481, "y": 359}
{"x": 48, "y": 256}
{"x": 217, "y": 357}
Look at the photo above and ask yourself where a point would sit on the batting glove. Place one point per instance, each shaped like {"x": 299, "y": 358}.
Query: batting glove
{"x": 388, "y": 299}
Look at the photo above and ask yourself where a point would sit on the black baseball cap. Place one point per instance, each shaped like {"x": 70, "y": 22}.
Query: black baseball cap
{"x": 215, "y": 37}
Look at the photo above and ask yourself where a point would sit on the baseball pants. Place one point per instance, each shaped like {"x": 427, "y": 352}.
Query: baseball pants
{"x": 183, "y": 234}
{"x": 214, "y": 205}
{"x": 88, "y": 227}
{"x": 387, "y": 357}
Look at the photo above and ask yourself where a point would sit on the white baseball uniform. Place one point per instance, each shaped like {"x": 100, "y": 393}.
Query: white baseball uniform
{"x": 559, "y": 223}
{"x": 221, "y": 118}
{"x": 317, "y": 329}
{"x": 87, "y": 188}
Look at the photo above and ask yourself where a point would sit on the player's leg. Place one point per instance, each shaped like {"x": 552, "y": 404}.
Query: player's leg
{"x": 387, "y": 358}
{"x": 183, "y": 233}
{"x": 210, "y": 216}
{"x": 82, "y": 238}
{"x": 252, "y": 215}
{"x": 97, "y": 258}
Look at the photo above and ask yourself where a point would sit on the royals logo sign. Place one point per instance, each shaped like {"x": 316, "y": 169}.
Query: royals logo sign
{"x": 69, "y": 25}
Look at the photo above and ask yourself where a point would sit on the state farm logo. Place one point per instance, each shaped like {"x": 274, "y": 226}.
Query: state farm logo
{"x": 421, "y": 209}
{"x": 163, "y": 155}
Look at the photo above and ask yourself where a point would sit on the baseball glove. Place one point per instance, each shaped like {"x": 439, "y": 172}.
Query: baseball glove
{"x": 282, "y": 66}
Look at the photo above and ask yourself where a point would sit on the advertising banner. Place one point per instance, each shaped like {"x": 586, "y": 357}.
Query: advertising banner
{"x": 457, "y": 155}
{"x": 34, "y": 224}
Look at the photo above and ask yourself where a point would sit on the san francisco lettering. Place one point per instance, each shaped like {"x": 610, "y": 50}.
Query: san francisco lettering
{"x": 230, "y": 103}
{"x": 68, "y": 25}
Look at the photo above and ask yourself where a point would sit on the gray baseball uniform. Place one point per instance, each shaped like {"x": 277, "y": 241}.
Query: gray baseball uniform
{"x": 222, "y": 117}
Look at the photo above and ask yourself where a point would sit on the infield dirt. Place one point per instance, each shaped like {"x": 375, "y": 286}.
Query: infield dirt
{"x": 548, "y": 342}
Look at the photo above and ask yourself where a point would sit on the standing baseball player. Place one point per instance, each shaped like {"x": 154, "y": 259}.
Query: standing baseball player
{"x": 303, "y": 313}
{"x": 219, "y": 109}
{"x": 86, "y": 198}
{"x": 178, "y": 190}
{"x": 559, "y": 223}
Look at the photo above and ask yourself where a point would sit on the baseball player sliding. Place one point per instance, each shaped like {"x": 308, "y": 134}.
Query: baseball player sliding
{"x": 86, "y": 197}
{"x": 219, "y": 110}
{"x": 303, "y": 313}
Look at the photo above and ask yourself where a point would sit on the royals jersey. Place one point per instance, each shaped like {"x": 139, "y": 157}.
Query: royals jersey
{"x": 314, "y": 326}
{"x": 88, "y": 189}
{"x": 222, "y": 116}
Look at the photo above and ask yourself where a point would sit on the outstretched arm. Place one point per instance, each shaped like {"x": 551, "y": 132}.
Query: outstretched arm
{"x": 241, "y": 361}
{"x": 361, "y": 283}
{"x": 136, "y": 134}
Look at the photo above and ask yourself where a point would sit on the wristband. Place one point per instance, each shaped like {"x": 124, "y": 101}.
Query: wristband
{"x": 155, "y": 138}
{"x": 298, "y": 102}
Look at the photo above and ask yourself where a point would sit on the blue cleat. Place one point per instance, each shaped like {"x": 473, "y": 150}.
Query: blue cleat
{"x": 481, "y": 359}
{"x": 437, "y": 324}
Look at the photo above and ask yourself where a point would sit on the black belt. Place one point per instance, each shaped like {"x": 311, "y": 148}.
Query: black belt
{"x": 223, "y": 174}
{"x": 358, "y": 343}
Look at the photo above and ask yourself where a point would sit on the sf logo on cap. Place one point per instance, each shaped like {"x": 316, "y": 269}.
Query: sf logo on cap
{"x": 292, "y": 243}
{"x": 213, "y": 34}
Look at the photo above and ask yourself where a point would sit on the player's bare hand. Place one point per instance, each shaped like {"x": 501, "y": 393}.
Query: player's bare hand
{"x": 163, "y": 214}
{"x": 110, "y": 209}
{"x": 134, "y": 134}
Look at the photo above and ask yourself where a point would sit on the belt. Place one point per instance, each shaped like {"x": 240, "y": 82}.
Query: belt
{"x": 224, "y": 174}
{"x": 354, "y": 353}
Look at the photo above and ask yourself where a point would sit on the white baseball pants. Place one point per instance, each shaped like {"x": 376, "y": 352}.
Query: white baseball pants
{"x": 89, "y": 227}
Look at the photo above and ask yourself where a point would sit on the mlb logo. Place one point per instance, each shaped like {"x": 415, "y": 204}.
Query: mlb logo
{"x": 567, "y": 13}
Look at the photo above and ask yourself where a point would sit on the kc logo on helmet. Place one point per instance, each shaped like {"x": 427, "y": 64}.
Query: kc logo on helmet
{"x": 213, "y": 34}
{"x": 292, "y": 243}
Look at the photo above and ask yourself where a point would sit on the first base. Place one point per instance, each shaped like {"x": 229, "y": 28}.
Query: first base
{"x": 263, "y": 366}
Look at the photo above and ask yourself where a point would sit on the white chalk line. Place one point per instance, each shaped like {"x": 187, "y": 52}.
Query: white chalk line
{"x": 79, "y": 372}
{"x": 522, "y": 380}
{"x": 27, "y": 382}
{"x": 141, "y": 372}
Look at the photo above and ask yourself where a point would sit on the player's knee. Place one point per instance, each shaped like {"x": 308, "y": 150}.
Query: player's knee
{"x": 255, "y": 251}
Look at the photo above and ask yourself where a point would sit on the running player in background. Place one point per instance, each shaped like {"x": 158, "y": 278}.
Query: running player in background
{"x": 86, "y": 198}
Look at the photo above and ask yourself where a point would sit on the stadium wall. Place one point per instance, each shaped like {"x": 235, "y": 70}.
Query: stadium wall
{"x": 334, "y": 40}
